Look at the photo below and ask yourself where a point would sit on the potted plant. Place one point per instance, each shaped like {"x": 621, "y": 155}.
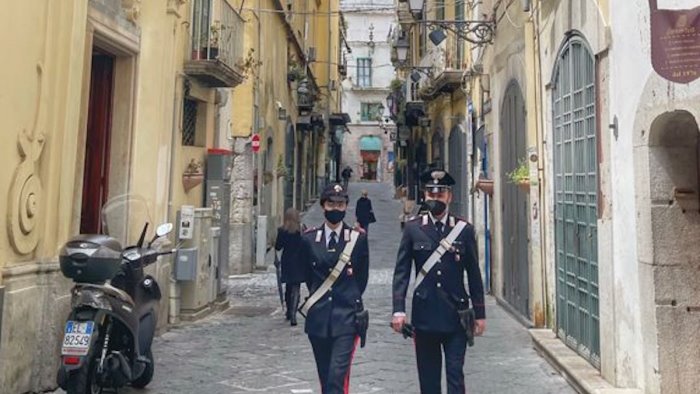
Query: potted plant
{"x": 296, "y": 72}
{"x": 396, "y": 84}
{"x": 212, "y": 48}
{"x": 521, "y": 175}
{"x": 193, "y": 175}
{"x": 281, "y": 168}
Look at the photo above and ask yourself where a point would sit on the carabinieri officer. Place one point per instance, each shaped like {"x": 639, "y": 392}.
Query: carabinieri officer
{"x": 335, "y": 316}
{"x": 440, "y": 299}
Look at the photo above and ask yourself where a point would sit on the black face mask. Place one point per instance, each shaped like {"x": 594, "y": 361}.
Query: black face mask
{"x": 435, "y": 207}
{"x": 334, "y": 216}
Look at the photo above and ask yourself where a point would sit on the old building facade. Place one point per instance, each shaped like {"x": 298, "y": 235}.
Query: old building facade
{"x": 367, "y": 148}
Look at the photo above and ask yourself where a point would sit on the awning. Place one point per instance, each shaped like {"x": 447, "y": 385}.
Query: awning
{"x": 370, "y": 143}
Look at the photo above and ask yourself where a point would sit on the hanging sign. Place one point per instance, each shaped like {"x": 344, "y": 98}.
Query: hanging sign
{"x": 675, "y": 43}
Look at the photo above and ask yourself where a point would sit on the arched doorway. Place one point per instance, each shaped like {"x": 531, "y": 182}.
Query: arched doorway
{"x": 370, "y": 150}
{"x": 516, "y": 271}
{"x": 672, "y": 245}
{"x": 458, "y": 170}
{"x": 289, "y": 163}
{"x": 576, "y": 199}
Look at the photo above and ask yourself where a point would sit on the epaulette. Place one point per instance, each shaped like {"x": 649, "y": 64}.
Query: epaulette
{"x": 457, "y": 218}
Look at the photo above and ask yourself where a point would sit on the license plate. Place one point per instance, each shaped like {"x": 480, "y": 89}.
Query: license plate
{"x": 76, "y": 341}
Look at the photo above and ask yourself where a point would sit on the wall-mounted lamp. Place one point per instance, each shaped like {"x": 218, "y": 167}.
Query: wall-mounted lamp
{"x": 402, "y": 46}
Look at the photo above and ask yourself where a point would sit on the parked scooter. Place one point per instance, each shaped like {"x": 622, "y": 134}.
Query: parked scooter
{"x": 109, "y": 331}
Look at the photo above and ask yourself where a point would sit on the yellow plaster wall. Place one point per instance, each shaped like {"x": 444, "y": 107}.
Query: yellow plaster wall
{"x": 35, "y": 87}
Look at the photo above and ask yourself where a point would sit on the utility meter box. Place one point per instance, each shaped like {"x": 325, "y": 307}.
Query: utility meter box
{"x": 186, "y": 264}
{"x": 197, "y": 266}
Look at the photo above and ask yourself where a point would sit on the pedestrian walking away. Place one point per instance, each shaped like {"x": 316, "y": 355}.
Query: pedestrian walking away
{"x": 443, "y": 248}
{"x": 293, "y": 271}
{"x": 364, "y": 212}
{"x": 346, "y": 174}
{"x": 336, "y": 257}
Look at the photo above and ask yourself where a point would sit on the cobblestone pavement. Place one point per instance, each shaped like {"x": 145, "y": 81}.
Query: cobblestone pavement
{"x": 250, "y": 348}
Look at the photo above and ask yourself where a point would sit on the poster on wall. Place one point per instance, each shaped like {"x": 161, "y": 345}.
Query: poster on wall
{"x": 675, "y": 43}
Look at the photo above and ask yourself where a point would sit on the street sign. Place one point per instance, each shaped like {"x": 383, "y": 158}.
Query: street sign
{"x": 255, "y": 143}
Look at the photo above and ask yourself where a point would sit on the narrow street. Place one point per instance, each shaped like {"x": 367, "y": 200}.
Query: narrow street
{"x": 250, "y": 348}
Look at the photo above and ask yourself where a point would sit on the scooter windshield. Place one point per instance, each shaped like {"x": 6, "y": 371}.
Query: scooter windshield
{"x": 124, "y": 217}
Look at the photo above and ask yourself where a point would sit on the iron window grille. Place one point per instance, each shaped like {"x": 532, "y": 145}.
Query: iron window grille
{"x": 189, "y": 122}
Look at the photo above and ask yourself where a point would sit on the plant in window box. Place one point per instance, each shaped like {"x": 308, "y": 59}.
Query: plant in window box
{"x": 281, "y": 168}
{"x": 396, "y": 84}
{"x": 193, "y": 175}
{"x": 521, "y": 175}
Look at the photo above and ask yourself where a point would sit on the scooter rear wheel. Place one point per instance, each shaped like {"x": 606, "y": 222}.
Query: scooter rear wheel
{"x": 83, "y": 380}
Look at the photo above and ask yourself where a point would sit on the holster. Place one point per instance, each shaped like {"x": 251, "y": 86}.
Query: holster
{"x": 361, "y": 325}
{"x": 467, "y": 321}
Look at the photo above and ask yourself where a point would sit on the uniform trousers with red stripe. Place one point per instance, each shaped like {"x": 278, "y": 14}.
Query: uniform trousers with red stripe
{"x": 333, "y": 360}
{"x": 429, "y": 349}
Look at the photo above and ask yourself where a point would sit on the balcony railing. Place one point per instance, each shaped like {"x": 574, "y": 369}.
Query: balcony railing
{"x": 447, "y": 63}
{"x": 216, "y": 51}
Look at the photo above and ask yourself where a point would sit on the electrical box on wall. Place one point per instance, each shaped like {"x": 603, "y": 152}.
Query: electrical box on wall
{"x": 186, "y": 264}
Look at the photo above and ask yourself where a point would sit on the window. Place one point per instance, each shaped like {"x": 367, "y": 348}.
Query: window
{"x": 364, "y": 72}
{"x": 440, "y": 9}
{"x": 189, "y": 122}
{"x": 370, "y": 111}
{"x": 459, "y": 52}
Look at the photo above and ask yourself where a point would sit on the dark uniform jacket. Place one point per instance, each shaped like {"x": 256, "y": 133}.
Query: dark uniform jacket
{"x": 442, "y": 291}
{"x": 293, "y": 269}
{"x": 334, "y": 314}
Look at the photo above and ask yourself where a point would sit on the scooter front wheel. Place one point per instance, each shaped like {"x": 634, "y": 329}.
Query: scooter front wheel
{"x": 147, "y": 375}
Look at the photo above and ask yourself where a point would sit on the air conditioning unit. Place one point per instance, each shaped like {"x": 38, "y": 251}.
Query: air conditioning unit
{"x": 311, "y": 55}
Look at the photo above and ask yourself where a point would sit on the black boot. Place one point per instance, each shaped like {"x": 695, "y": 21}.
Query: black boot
{"x": 295, "y": 304}
{"x": 288, "y": 301}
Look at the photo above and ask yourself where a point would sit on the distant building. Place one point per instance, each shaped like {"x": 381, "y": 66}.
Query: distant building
{"x": 368, "y": 149}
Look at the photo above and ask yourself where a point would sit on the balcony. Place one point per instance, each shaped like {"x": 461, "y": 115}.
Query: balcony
{"x": 216, "y": 53}
{"x": 448, "y": 64}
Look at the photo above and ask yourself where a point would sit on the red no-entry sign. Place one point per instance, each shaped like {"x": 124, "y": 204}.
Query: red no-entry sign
{"x": 255, "y": 143}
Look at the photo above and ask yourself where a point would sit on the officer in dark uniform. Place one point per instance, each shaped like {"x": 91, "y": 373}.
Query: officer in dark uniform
{"x": 441, "y": 294}
{"x": 331, "y": 323}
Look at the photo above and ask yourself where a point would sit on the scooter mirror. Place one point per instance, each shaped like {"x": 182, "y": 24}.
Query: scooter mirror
{"x": 164, "y": 229}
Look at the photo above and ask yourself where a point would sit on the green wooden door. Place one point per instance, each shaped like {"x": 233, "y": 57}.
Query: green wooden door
{"x": 576, "y": 192}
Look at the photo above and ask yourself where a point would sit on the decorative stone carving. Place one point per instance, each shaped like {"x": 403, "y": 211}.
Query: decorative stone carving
{"x": 26, "y": 192}
{"x": 25, "y": 195}
{"x": 132, "y": 9}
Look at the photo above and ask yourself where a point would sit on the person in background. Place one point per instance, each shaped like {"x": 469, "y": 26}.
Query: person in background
{"x": 363, "y": 211}
{"x": 346, "y": 174}
{"x": 293, "y": 269}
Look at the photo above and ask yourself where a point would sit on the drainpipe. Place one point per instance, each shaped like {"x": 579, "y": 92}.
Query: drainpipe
{"x": 174, "y": 289}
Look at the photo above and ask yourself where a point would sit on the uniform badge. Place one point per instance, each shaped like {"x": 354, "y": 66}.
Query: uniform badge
{"x": 319, "y": 234}
{"x": 347, "y": 235}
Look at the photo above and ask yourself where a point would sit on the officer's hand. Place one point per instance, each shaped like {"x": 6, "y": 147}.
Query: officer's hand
{"x": 397, "y": 323}
{"x": 479, "y": 327}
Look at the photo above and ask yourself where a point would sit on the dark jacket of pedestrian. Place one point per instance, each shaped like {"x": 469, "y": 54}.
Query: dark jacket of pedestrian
{"x": 289, "y": 241}
{"x": 363, "y": 211}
